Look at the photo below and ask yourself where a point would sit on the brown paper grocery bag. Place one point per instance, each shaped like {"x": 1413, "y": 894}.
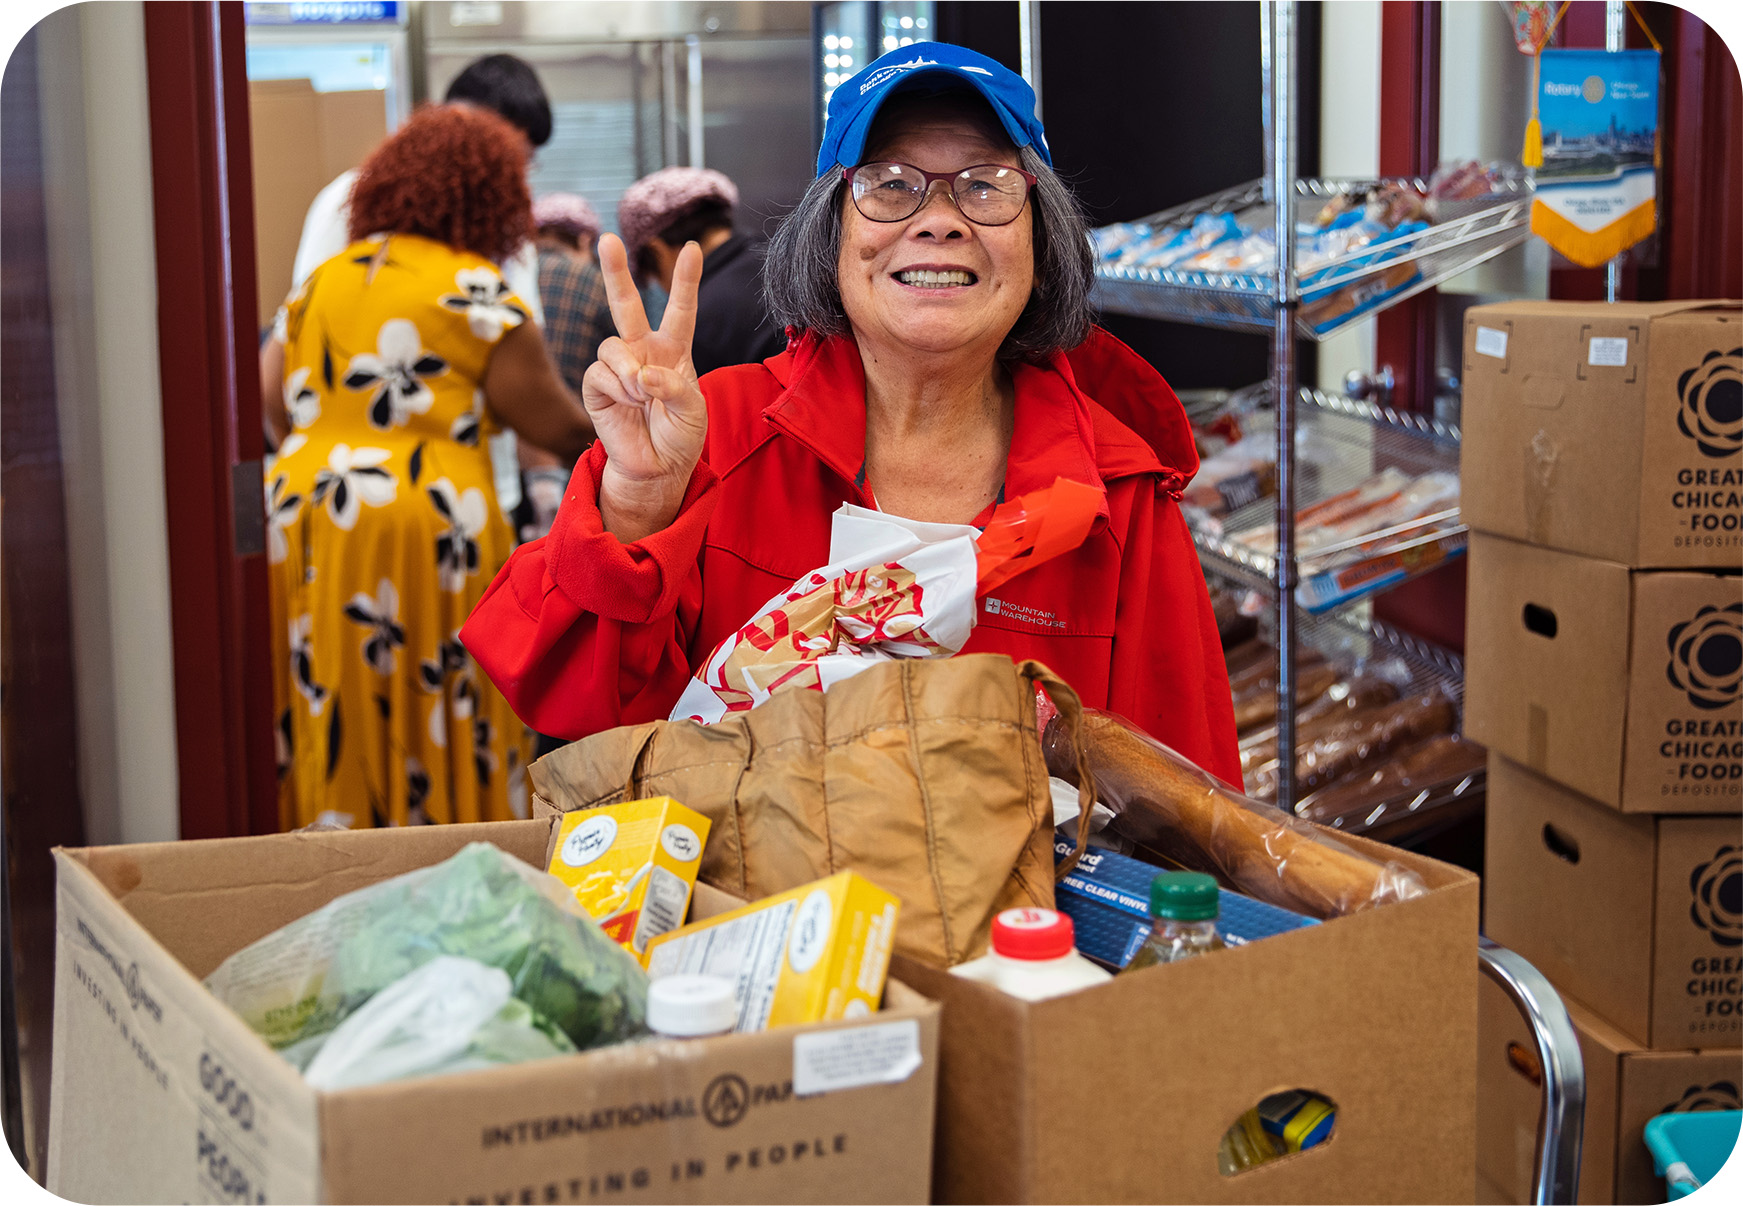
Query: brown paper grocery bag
{"x": 924, "y": 775}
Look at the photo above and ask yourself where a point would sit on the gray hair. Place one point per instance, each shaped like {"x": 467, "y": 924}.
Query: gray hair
{"x": 800, "y": 275}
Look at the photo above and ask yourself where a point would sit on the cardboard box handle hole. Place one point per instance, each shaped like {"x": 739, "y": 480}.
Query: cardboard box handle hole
{"x": 1525, "y": 1062}
{"x": 1565, "y": 848}
{"x": 1282, "y": 1126}
{"x": 1540, "y": 620}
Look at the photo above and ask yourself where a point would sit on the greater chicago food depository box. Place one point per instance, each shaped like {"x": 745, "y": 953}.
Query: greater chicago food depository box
{"x": 1608, "y": 430}
{"x": 1626, "y": 685}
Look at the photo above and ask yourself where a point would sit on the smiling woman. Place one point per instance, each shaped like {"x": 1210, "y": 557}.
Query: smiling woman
{"x": 942, "y": 357}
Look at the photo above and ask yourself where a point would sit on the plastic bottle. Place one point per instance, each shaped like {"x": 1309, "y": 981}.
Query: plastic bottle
{"x": 687, "y": 1006}
{"x": 1183, "y": 911}
{"x": 1034, "y": 957}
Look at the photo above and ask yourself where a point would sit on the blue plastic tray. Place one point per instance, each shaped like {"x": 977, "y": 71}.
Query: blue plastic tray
{"x": 1689, "y": 1149}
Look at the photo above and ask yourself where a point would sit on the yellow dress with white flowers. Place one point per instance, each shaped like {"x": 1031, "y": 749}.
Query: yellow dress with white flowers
{"x": 383, "y": 531}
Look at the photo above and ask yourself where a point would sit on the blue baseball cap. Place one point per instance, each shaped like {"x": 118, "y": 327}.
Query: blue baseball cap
{"x": 858, "y": 98}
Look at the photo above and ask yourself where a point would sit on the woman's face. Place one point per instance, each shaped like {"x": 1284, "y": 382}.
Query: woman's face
{"x": 885, "y": 302}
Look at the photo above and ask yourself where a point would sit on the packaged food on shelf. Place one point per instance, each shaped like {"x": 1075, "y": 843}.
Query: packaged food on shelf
{"x": 632, "y": 866}
{"x": 816, "y": 953}
{"x": 298, "y": 985}
{"x": 1369, "y": 797}
{"x": 1255, "y": 688}
{"x": 1357, "y": 740}
{"x": 1356, "y": 693}
{"x": 1190, "y": 819}
{"x": 1236, "y": 621}
{"x": 1034, "y": 956}
{"x": 1242, "y": 473}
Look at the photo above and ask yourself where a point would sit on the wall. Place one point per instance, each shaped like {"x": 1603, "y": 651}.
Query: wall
{"x": 1349, "y": 145}
{"x": 97, "y": 152}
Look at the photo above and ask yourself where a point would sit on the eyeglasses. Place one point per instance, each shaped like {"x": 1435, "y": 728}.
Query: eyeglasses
{"x": 988, "y": 194}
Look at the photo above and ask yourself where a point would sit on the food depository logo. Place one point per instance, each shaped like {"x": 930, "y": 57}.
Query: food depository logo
{"x": 1710, "y": 398}
{"x": 1720, "y": 1095}
{"x": 1717, "y": 887}
{"x": 1706, "y": 657}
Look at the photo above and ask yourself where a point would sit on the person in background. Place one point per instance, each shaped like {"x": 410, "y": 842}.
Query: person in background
{"x": 661, "y": 212}
{"x": 568, "y": 220}
{"x": 506, "y": 86}
{"x": 577, "y": 321}
{"x": 501, "y": 83}
{"x": 940, "y": 272}
{"x": 388, "y": 369}
{"x": 577, "y": 318}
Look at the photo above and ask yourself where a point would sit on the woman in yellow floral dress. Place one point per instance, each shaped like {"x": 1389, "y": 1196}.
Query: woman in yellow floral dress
{"x": 397, "y": 359}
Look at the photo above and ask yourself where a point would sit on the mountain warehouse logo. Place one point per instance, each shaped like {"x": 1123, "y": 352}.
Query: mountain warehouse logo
{"x": 1718, "y": 898}
{"x": 1706, "y": 656}
{"x": 1720, "y": 1095}
{"x": 1711, "y": 397}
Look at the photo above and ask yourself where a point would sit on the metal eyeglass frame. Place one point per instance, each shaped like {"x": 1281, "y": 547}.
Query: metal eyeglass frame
{"x": 949, "y": 178}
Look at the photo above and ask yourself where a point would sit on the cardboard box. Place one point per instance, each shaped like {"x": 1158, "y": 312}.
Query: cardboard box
{"x": 161, "y": 1094}
{"x": 1609, "y": 430}
{"x": 1622, "y": 684}
{"x": 1636, "y": 916}
{"x": 1625, "y": 1086}
{"x": 303, "y": 140}
{"x": 1122, "y": 1091}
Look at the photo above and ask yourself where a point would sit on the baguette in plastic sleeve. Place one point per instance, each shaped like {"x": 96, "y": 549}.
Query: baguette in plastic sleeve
{"x": 1179, "y": 812}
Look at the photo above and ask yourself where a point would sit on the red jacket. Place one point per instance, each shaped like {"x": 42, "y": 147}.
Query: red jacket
{"x": 582, "y": 633}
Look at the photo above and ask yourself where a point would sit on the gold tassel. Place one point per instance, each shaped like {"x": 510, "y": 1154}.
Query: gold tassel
{"x": 1531, "y": 155}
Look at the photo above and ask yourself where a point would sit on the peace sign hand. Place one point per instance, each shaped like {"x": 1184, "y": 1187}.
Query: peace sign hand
{"x": 642, "y": 396}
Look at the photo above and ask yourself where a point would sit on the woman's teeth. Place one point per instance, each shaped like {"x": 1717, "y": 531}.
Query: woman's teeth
{"x": 927, "y": 279}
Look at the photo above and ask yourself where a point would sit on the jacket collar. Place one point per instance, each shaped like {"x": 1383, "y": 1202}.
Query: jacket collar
{"x": 823, "y": 407}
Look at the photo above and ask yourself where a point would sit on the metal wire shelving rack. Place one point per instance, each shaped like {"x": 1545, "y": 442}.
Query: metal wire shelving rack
{"x": 1466, "y": 233}
{"x": 1371, "y": 437}
{"x": 1346, "y": 442}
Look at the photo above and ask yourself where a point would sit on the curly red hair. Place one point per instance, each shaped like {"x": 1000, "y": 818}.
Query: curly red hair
{"x": 453, "y": 173}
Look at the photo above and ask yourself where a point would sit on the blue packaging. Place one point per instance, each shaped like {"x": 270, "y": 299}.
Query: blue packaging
{"x": 1107, "y": 897}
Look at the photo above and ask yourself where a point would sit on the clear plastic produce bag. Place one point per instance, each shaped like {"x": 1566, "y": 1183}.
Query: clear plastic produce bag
{"x": 450, "y": 1015}
{"x": 569, "y": 984}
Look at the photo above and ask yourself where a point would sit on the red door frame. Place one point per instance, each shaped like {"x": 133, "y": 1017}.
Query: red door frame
{"x": 213, "y": 438}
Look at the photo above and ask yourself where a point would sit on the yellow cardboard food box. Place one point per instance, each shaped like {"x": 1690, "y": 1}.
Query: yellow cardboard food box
{"x": 815, "y": 953}
{"x": 632, "y": 865}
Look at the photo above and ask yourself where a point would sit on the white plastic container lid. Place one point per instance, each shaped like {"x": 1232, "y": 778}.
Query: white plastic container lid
{"x": 690, "y": 1006}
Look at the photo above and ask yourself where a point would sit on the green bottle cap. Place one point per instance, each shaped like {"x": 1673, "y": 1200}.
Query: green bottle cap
{"x": 1183, "y": 896}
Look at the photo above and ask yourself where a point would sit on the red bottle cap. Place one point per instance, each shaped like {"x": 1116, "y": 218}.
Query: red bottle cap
{"x": 1033, "y": 934}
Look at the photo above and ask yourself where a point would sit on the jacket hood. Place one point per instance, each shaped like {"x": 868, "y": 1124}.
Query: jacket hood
{"x": 1129, "y": 388}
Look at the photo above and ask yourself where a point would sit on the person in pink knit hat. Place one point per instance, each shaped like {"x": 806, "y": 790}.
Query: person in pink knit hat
{"x": 661, "y": 212}
{"x": 568, "y": 220}
{"x": 577, "y": 321}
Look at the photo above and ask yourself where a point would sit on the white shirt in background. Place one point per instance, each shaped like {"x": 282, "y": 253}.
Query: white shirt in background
{"x": 326, "y": 232}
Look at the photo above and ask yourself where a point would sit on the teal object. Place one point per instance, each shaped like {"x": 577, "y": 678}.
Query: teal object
{"x": 1688, "y": 1150}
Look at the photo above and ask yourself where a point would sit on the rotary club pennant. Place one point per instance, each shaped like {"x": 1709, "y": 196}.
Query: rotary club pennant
{"x": 1597, "y": 189}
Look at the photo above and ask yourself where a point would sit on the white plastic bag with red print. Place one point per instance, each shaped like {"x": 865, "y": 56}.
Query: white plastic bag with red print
{"x": 893, "y": 588}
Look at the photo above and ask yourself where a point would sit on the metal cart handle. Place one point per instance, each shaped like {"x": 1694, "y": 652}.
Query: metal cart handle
{"x": 1560, "y": 1127}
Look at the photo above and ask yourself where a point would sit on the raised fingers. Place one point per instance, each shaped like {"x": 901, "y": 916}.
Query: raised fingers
{"x": 615, "y": 373}
{"x": 620, "y": 291}
{"x": 679, "y": 321}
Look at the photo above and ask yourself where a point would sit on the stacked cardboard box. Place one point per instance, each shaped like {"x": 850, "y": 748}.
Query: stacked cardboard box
{"x": 1603, "y": 478}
